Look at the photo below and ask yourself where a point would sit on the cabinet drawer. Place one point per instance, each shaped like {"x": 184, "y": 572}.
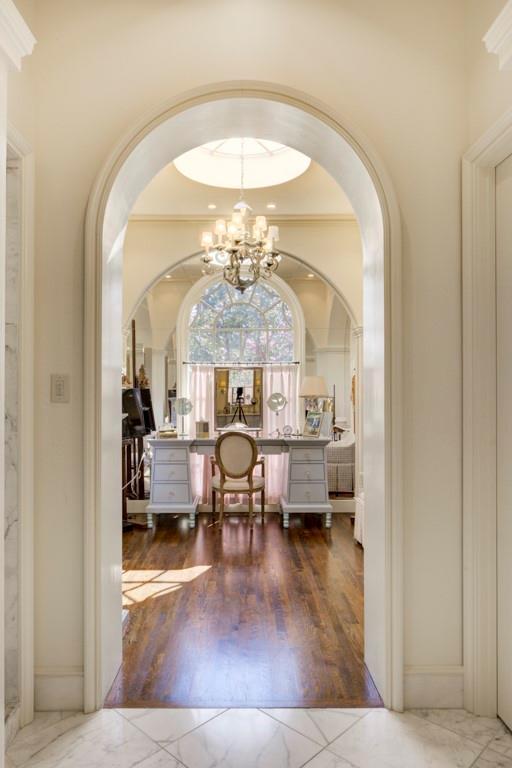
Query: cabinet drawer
{"x": 307, "y": 454}
{"x": 163, "y": 455}
{"x": 307, "y": 471}
{"x": 170, "y": 493}
{"x": 166, "y": 472}
{"x": 307, "y": 493}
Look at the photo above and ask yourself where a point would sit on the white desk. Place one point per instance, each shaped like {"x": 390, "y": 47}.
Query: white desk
{"x": 305, "y": 489}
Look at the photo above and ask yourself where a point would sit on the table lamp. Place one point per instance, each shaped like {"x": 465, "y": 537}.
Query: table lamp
{"x": 312, "y": 388}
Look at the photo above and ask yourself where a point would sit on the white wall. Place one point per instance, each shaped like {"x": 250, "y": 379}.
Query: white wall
{"x": 396, "y": 69}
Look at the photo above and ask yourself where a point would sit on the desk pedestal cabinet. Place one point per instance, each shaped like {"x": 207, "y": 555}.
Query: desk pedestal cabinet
{"x": 305, "y": 489}
{"x": 171, "y": 486}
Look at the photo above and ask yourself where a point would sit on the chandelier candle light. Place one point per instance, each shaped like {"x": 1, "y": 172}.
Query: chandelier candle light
{"x": 246, "y": 253}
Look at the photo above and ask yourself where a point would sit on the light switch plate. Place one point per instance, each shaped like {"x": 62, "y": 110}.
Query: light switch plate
{"x": 59, "y": 388}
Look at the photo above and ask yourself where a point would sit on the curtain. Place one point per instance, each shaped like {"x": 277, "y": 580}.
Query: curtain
{"x": 276, "y": 378}
{"x": 283, "y": 379}
{"x": 201, "y": 388}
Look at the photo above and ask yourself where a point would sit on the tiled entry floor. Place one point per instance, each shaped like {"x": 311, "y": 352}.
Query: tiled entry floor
{"x": 253, "y": 738}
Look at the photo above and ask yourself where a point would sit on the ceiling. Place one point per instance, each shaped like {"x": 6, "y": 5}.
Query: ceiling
{"x": 170, "y": 194}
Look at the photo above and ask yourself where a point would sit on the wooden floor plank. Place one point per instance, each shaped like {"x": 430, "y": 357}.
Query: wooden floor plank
{"x": 233, "y": 620}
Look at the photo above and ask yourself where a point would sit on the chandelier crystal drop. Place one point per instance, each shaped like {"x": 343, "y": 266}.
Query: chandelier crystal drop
{"x": 245, "y": 251}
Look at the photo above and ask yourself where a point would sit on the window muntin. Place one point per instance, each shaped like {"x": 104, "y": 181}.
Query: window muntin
{"x": 227, "y": 326}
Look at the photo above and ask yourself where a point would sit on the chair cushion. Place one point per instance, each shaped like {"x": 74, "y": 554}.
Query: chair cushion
{"x": 238, "y": 486}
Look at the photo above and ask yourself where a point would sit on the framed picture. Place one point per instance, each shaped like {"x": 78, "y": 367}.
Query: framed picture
{"x": 313, "y": 423}
{"x": 318, "y": 424}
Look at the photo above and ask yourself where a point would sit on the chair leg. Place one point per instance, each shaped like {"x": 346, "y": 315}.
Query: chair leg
{"x": 251, "y": 509}
{"x": 221, "y": 518}
{"x": 263, "y": 506}
{"x": 214, "y": 495}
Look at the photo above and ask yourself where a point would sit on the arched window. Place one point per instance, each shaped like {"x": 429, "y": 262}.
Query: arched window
{"x": 227, "y": 326}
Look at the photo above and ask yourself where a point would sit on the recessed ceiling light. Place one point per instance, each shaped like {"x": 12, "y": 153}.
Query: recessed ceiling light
{"x": 310, "y": 274}
{"x": 271, "y": 206}
{"x": 168, "y": 277}
{"x": 212, "y": 206}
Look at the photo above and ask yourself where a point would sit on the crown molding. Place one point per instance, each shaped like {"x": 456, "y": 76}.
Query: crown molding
{"x": 311, "y": 218}
{"x": 16, "y": 39}
{"x": 498, "y": 39}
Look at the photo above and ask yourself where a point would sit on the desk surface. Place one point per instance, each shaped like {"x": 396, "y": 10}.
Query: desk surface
{"x": 285, "y": 443}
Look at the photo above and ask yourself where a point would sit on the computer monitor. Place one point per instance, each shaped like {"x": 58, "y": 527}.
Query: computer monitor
{"x": 132, "y": 405}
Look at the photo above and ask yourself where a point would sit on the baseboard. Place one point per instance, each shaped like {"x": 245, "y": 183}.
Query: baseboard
{"x": 434, "y": 686}
{"x": 59, "y": 688}
{"x": 12, "y": 723}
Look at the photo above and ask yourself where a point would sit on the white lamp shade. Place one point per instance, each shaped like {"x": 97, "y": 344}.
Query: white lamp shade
{"x": 207, "y": 239}
{"x": 313, "y": 386}
{"x": 273, "y": 232}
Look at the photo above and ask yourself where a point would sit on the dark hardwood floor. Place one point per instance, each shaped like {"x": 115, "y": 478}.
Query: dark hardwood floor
{"x": 230, "y": 620}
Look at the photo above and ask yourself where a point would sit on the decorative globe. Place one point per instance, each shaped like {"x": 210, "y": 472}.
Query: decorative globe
{"x": 276, "y": 402}
{"x": 183, "y": 406}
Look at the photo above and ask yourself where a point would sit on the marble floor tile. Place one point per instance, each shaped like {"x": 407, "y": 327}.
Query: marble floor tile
{"x": 320, "y": 725}
{"x": 502, "y": 742}
{"x": 44, "y": 730}
{"x": 245, "y": 738}
{"x": 41, "y": 721}
{"x": 161, "y": 759}
{"x": 327, "y": 759}
{"x": 479, "y": 729}
{"x": 166, "y": 725}
{"x": 491, "y": 759}
{"x": 103, "y": 740}
{"x": 390, "y": 740}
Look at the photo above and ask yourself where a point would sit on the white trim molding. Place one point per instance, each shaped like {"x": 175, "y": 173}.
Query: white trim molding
{"x": 171, "y": 129}
{"x": 498, "y": 39}
{"x": 16, "y": 39}
{"x": 479, "y": 415}
{"x": 434, "y": 686}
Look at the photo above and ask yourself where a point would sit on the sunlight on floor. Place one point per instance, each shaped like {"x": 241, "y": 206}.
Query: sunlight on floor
{"x": 144, "y": 585}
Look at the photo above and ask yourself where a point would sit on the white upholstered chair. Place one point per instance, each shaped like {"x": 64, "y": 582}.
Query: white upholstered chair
{"x": 236, "y": 456}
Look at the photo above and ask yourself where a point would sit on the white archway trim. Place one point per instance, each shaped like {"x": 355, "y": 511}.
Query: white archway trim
{"x": 479, "y": 415}
{"x": 305, "y": 123}
{"x": 195, "y": 294}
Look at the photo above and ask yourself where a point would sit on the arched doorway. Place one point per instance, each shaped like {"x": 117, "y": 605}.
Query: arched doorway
{"x": 298, "y": 121}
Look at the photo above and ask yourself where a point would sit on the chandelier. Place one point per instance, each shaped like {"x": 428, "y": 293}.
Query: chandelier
{"x": 243, "y": 249}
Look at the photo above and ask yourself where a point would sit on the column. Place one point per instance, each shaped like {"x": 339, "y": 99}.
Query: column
{"x": 16, "y": 41}
{"x": 157, "y": 384}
